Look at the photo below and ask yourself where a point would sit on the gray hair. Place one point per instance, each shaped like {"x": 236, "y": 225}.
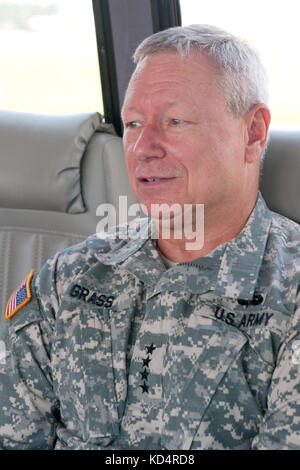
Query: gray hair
{"x": 243, "y": 76}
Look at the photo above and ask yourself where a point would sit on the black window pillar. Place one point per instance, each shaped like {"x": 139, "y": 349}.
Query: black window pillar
{"x": 120, "y": 26}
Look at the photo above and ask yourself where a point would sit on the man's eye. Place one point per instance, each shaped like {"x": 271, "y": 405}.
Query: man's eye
{"x": 133, "y": 124}
{"x": 175, "y": 122}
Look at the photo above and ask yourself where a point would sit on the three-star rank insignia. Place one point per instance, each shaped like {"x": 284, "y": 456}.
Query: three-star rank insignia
{"x": 20, "y": 297}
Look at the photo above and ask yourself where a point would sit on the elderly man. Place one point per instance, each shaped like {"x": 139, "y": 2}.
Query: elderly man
{"x": 145, "y": 344}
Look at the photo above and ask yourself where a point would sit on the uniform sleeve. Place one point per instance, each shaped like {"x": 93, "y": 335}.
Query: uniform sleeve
{"x": 280, "y": 429}
{"x": 29, "y": 411}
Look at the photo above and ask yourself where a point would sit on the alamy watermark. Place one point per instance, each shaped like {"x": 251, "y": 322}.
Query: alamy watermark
{"x": 169, "y": 221}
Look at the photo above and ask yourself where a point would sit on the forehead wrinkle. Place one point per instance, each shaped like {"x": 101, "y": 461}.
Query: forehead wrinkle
{"x": 169, "y": 104}
{"x": 146, "y": 100}
{"x": 163, "y": 75}
{"x": 158, "y": 84}
{"x": 160, "y": 79}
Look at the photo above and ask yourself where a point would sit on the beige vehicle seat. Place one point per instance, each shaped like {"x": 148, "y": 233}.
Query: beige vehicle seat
{"x": 55, "y": 171}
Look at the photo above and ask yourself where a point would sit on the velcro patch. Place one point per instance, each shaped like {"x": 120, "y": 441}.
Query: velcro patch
{"x": 19, "y": 297}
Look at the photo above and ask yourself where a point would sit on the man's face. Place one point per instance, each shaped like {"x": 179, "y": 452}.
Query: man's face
{"x": 179, "y": 132}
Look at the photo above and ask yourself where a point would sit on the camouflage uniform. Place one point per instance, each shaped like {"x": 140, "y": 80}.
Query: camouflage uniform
{"x": 115, "y": 352}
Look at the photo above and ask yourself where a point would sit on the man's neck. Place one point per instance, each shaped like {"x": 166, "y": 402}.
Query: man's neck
{"x": 218, "y": 229}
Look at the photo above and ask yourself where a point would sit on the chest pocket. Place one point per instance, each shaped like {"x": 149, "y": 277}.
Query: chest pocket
{"x": 83, "y": 372}
{"x": 197, "y": 360}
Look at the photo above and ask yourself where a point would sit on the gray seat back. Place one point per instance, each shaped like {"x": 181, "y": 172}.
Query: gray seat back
{"x": 280, "y": 181}
{"x": 55, "y": 171}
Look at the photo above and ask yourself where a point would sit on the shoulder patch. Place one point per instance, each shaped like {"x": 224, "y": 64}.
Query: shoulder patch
{"x": 19, "y": 297}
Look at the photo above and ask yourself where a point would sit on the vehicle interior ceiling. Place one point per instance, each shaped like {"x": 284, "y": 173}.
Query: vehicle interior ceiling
{"x": 72, "y": 163}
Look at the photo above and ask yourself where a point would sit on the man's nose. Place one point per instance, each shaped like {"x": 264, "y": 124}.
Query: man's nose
{"x": 149, "y": 144}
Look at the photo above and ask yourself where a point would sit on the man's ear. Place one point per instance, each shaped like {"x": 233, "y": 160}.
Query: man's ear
{"x": 258, "y": 120}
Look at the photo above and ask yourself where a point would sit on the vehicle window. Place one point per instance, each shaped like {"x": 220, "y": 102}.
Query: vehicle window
{"x": 273, "y": 29}
{"x": 48, "y": 56}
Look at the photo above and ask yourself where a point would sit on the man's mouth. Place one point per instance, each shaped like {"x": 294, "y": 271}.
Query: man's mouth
{"x": 155, "y": 180}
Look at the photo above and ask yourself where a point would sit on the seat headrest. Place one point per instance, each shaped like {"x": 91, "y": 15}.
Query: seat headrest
{"x": 41, "y": 157}
{"x": 280, "y": 175}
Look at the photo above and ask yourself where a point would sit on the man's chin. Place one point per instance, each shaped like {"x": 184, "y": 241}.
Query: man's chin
{"x": 161, "y": 210}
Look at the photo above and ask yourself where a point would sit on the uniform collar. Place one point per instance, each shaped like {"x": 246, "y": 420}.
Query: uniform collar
{"x": 243, "y": 255}
{"x": 135, "y": 252}
{"x": 231, "y": 270}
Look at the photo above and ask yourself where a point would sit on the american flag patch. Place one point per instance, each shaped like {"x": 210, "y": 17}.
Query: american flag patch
{"x": 19, "y": 297}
